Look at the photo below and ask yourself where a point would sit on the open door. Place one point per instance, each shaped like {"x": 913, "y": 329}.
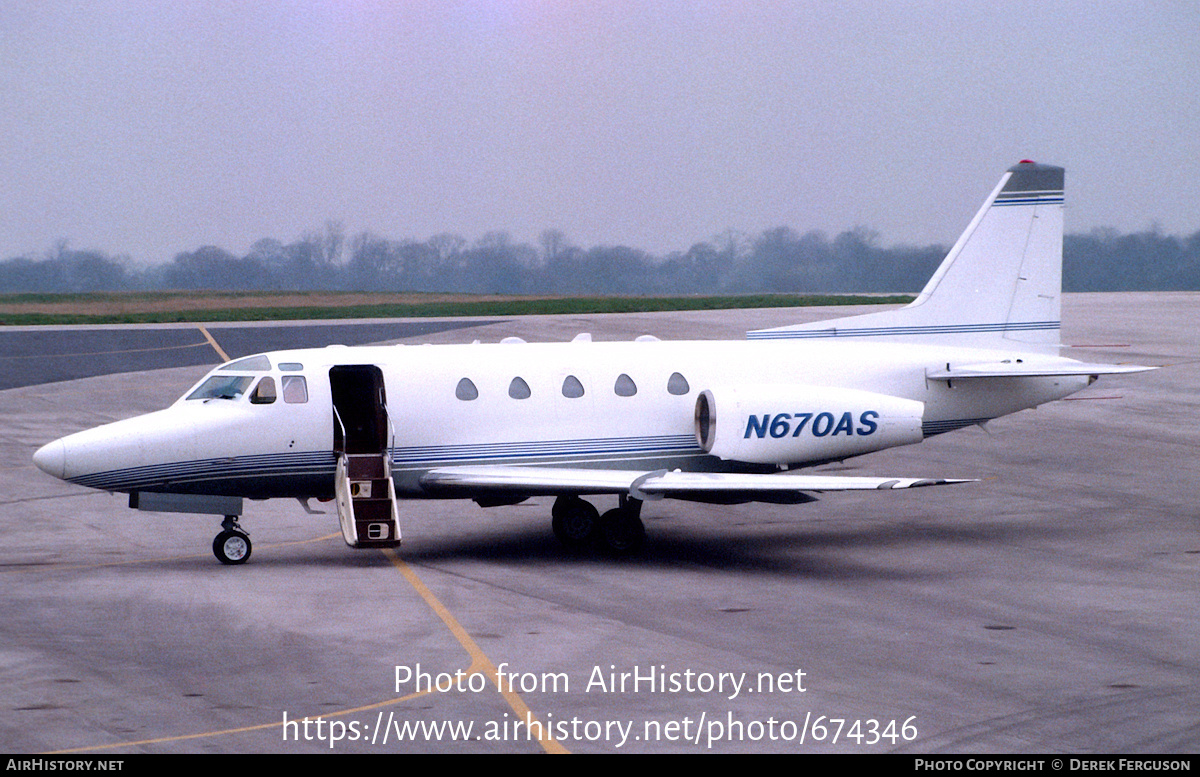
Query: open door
{"x": 366, "y": 495}
{"x": 360, "y": 422}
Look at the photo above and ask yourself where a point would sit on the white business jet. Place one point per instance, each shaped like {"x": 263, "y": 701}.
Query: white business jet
{"x": 721, "y": 422}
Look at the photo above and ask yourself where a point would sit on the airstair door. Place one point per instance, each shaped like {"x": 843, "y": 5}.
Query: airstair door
{"x": 366, "y": 495}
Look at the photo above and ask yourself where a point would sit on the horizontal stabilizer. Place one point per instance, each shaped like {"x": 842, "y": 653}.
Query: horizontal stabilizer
{"x": 652, "y": 485}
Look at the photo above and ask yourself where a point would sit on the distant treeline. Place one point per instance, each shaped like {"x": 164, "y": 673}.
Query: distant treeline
{"x": 777, "y": 260}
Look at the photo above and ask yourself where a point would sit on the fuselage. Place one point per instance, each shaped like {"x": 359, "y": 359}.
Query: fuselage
{"x": 266, "y": 426}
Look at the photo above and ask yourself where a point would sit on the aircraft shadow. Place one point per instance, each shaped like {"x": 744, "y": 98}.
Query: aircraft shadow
{"x": 893, "y": 551}
{"x": 907, "y": 551}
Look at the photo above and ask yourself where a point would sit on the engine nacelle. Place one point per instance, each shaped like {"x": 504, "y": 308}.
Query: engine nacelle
{"x": 797, "y": 424}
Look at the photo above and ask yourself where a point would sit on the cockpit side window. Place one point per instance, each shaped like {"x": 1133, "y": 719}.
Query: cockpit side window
{"x": 264, "y": 392}
{"x": 222, "y": 387}
{"x": 295, "y": 389}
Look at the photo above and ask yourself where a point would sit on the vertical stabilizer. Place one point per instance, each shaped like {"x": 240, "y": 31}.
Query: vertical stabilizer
{"x": 1001, "y": 282}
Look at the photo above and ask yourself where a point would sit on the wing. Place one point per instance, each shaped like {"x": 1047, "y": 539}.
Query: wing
{"x": 696, "y": 486}
{"x": 1031, "y": 369}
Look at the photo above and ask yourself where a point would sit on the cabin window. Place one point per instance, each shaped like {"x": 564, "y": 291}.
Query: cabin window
{"x": 295, "y": 389}
{"x": 518, "y": 389}
{"x": 677, "y": 385}
{"x": 465, "y": 390}
{"x": 258, "y": 363}
{"x": 264, "y": 392}
{"x": 572, "y": 388}
{"x": 624, "y": 387}
{"x": 290, "y": 367}
{"x": 222, "y": 387}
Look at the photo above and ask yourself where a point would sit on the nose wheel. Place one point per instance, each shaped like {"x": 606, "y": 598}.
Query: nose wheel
{"x": 232, "y": 545}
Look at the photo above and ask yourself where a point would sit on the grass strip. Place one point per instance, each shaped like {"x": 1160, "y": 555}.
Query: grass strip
{"x": 440, "y": 309}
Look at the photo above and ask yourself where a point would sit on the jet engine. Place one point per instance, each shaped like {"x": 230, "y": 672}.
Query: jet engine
{"x": 796, "y": 424}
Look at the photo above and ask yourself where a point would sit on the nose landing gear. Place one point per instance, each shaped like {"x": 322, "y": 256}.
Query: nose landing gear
{"x": 232, "y": 545}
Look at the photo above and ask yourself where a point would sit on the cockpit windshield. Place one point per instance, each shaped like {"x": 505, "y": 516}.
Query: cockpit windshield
{"x": 222, "y": 387}
{"x": 258, "y": 363}
{"x": 218, "y": 385}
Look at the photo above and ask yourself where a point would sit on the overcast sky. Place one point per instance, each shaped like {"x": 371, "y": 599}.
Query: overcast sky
{"x": 150, "y": 128}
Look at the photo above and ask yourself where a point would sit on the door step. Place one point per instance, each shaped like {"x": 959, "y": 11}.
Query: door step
{"x": 366, "y": 500}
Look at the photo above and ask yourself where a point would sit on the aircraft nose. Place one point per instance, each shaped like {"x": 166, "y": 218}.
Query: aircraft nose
{"x": 52, "y": 459}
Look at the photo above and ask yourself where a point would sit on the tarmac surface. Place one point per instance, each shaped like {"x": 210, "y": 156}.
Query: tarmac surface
{"x": 1050, "y": 608}
{"x": 32, "y": 355}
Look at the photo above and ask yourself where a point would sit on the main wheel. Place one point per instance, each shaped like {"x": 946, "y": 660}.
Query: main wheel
{"x": 232, "y": 547}
{"x": 622, "y": 532}
{"x": 574, "y": 521}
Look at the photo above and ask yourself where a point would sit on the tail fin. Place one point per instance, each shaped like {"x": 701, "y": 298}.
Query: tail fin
{"x": 1000, "y": 283}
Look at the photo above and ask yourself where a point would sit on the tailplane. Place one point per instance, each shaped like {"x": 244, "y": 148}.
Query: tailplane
{"x": 1000, "y": 284}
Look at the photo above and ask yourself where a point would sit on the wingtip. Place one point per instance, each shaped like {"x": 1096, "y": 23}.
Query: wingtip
{"x": 943, "y": 482}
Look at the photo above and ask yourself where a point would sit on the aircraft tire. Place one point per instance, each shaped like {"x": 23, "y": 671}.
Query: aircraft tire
{"x": 622, "y": 532}
{"x": 574, "y": 522}
{"x": 232, "y": 547}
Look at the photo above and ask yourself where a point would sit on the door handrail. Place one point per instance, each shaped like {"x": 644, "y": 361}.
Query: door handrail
{"x": 387, "y": 411}
{"x": 338, "y": 417}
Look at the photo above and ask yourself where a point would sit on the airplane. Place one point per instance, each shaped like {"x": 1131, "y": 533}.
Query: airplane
{"x": 722, "y": 422}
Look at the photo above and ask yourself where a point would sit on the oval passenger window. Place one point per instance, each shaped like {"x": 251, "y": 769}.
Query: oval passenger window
{"x": 572, "y": 388}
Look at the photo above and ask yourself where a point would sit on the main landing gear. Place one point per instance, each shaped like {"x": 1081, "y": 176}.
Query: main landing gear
{"x": 232, "y": 545}
{"x": 578, "y": 525}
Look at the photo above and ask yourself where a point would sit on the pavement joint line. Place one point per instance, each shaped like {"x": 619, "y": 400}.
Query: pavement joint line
{"x": 242, "y": 729}
{"x": 110, "y": 353}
